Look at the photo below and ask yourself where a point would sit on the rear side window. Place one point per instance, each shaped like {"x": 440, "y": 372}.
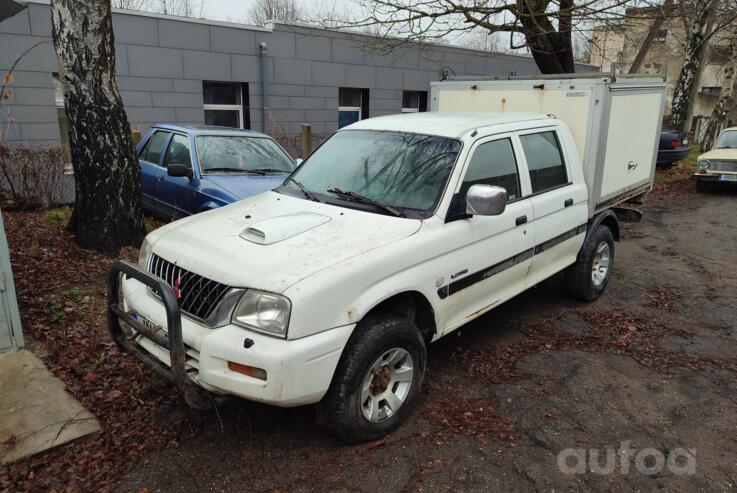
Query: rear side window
{"x": 152, "y": 150}
{"x": 544, "y": 160}
{"x": 178, "y": 152}
{"x": 493, "y": 163}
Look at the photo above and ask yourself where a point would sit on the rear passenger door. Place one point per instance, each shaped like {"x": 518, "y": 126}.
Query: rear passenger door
{"x": 152, "y": 170}
{"x": 559, "y": 203}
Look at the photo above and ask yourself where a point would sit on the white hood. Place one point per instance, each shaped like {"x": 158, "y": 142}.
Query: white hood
{"x": 272, "y": 241}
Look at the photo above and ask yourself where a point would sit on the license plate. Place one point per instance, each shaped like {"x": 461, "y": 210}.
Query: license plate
{"x": 147, "y": 323}
{"x": 727, "y": 177}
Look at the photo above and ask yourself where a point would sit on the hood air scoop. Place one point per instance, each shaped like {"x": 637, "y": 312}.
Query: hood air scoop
{"x": 280, "y": 228}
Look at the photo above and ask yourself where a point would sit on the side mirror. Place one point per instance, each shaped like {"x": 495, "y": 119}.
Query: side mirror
{"x": 486, "y": 200}
{"x": 299, "y": 161}
{"x": 176, "y": 169}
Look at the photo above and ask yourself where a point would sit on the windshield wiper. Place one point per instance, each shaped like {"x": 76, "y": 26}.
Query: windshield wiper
{"x": 233, "y": 170}
{"x": 304, "y": 190}
{"x": 264, "y": 171}
{"x": 366, "y": 200}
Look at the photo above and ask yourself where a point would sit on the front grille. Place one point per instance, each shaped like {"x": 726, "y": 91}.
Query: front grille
{"x": 198, "y": 296}
{"x": 723, "y": 166}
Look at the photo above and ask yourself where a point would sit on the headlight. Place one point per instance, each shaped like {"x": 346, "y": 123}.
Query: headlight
{"x": 704, "y": 164}
{"x": 144, "y": 254}
{"x": 263, "y": 312}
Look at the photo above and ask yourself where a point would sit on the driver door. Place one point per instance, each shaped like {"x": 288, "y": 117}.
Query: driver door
{"x": 493, "y": 253}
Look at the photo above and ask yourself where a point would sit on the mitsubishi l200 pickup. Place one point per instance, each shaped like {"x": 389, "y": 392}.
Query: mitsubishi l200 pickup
{"x": 392, "y": 234}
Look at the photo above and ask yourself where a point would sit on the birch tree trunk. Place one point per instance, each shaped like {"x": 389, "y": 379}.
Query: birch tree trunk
{"x": 107, "y": 211}
{"x": 695, "y": 44}
{"x": 725, "y": 109}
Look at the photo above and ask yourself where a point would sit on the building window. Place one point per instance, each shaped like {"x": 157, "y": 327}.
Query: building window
{"x": 352, "y": 105}
{"x": 61, "y": 113}
{"x": 660, "y": 37}
{"x": 414, "y": 101}
{"x": 226, "y": 104}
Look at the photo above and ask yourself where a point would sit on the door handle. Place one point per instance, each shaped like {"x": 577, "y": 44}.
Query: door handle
{"x": 160, "y": 177}
{"x": 568, "y": 202}
{"x": 521, "y": 220}
{"x": 632, "y": 165}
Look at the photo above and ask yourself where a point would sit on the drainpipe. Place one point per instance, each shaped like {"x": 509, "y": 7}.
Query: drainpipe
{"x": 264, "y": 85}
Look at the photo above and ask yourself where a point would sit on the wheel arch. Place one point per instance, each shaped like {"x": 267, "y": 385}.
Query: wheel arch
{"x": 410, "y": 304}
{"x": 607, "y": 218}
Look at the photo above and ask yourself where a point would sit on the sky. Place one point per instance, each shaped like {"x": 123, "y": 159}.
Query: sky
{"x": 235, "y": 10}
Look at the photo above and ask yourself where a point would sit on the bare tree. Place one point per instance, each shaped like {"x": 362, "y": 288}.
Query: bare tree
{"x": 725, "y": 111}
{"x": 704, "y": 19}
{"x": 547, "y": 26}
{"x": 660, "y": 16}
{"x": 264, "y": 11}
{"x": 107, "y": 211}
{"x": 130, "y": 4}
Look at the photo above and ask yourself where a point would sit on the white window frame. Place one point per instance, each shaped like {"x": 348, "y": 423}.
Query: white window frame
{"x": 229, "y": 107}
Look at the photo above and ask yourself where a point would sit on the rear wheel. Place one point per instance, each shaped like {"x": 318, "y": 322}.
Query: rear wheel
{"x": 588, "y": 277}
{"x": 377, "y": 380}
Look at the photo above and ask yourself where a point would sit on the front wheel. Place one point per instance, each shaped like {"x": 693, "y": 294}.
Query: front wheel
{"x": 377, "y": 380}
{"x": 588, "y": 277}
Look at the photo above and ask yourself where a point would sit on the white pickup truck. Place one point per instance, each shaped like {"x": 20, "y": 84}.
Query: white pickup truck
{"x": 392, "y": 234}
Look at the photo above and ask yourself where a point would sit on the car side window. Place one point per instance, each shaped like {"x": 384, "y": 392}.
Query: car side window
{"x": 178, "y": 152}
{"x": 152, "y": 150}
{"x": 494, "y": 163}
{"x": 544, "y": 160}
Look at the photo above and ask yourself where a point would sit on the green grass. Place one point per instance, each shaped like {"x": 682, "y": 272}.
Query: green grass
{"x": 59, "y": 215}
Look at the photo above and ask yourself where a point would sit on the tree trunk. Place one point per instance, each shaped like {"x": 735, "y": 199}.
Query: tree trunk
{"x": 107, "y": 211}
{"x": 551, "y": 49}
{"x": 651, "y": 34}
{"x": 725, "y": 107}
{"x": 688, "y": 77}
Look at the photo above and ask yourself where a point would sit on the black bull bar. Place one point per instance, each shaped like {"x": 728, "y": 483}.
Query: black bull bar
{"x": 171, "y": 340}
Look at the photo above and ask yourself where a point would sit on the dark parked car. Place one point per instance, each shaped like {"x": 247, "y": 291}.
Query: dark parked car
{"x": 673, "y": 147}
{"x": 186, "y": 169}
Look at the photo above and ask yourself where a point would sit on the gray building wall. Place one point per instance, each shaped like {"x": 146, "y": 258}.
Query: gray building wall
{"x": 162, "y": 61}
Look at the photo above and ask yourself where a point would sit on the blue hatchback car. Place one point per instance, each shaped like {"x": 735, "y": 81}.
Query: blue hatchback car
{"x": 186, "y": 169}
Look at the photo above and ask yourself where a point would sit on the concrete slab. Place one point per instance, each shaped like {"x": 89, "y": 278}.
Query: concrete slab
{"x": 36, "y": 413}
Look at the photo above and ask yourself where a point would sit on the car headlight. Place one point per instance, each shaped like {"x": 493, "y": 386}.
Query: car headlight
{"x": 704, "y": 164}
{"x": 144, "y": 254}
{"x": 263, "y": 312}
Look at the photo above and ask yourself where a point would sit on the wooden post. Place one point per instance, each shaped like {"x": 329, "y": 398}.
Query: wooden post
{"x": 306, "y": 140}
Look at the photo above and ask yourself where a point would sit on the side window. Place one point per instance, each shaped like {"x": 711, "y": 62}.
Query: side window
{"x": 152, "y": 150}
{"x": 544, "y": 160}
{"x": 178, "y": 152}
{"x": 493, "y": 163}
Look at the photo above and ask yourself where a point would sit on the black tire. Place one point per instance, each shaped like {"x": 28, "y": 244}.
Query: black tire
{"x": 340, "y": 410}
{"x": 703, "y": 186}
{"x": 579, "y": 279}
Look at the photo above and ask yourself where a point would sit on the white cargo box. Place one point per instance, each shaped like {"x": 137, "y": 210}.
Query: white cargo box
{"x": 615, "y": 122}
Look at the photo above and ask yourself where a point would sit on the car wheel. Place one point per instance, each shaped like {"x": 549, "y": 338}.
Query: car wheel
{"x": 588, "y": 277}
{"x": 703, "y": 186}
{"x": 377, "y": 380}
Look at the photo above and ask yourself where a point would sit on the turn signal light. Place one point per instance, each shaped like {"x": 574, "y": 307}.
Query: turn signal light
{"x": 249, "y": 371}
{"x": 702, "y": 171}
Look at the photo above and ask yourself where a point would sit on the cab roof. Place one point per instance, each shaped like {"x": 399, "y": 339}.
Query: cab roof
{"x": 444, "y": 124}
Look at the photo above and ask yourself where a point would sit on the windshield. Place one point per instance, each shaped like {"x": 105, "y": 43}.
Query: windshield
{"x": 234, "y": 154}
{"x": 726, "y": 140}
{"x": 395, "y": 169}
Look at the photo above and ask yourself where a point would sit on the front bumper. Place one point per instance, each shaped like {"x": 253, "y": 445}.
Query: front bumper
{"x": 713, "y": 177}
{"x": 298, "y": 371}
